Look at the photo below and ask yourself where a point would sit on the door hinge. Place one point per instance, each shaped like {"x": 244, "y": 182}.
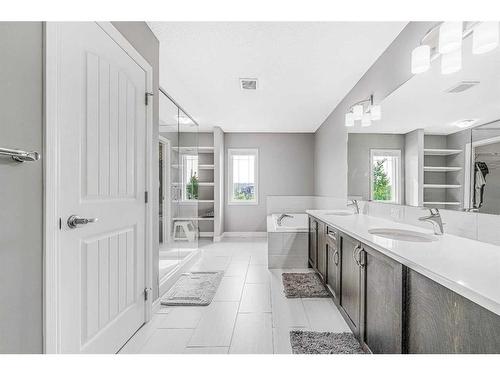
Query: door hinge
{"x": 146, "y": 97}
{"x": 147, "y": 292}
{"x": 145, "y": 197}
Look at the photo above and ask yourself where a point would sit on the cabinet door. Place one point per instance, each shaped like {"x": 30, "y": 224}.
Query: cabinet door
{"x": 321, "y": 259}
{"x": 440, "y": 321}
{"x": 313, "y": 241}
{"x": 333, "y": 263}
{"x": 381, "y": 302}
{"x": 350, "y": 282}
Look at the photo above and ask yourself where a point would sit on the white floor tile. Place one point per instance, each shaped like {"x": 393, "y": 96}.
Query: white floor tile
{"x": 167, "y": 341}
{"x": 216, "y": 325}
{"x": 236, "y": 268}
{"x": 181, "y": 316}
{"x": 256, "y": 298}
{"x": 323, "y": 315}
{"x": 230, "y": 289}
{"x": 206, "y": 350}
{"x": 137, "y": 341}
{"x": 253, "y": 334}
{"x": 257, "y": 274}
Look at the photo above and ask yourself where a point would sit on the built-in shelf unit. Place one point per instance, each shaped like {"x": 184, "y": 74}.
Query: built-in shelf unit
{"x": 442, "y": 182}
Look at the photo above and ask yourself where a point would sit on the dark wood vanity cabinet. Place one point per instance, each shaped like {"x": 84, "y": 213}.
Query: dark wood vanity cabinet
{"x": 321, "y": 254}
{"x": 350, "y": 282}
{"x": 313, "y": 241}
{"x": 442, "y": 321}
{"x": 333, "y": 263}
{"x": 393, "y": 309}
{"x": 381, "y": 326}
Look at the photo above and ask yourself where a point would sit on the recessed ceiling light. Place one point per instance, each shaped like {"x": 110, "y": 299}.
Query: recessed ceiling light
{"x": 464, "y": 123}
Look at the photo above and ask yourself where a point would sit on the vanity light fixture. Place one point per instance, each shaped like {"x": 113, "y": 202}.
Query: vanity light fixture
{"x": 445, "y": 41}
{"x": 365, "y": 111}
{"x": 375, "y": 112}
{"x": 450, "y": 37}
{"x": 421, "y": 59}
{"x": 357, "y": 111}
{"x": 485, "y": 37}
{"x": 451, "y": 62}
{"x": 366, "y": 120}
{"x": 349, "y": 119}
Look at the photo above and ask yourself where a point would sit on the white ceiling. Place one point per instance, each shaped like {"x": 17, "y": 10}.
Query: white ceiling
{"x": 423, "y": 103}
{"x": 304, "y": 69}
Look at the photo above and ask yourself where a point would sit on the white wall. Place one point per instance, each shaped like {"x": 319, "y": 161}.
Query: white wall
{"x": 286, "y": 167}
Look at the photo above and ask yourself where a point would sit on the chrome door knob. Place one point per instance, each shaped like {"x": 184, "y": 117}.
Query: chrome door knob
{"x": 74, "y": 221}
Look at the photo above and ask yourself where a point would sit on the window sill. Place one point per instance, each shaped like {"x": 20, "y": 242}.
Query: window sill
{"x": 243, "y": 203}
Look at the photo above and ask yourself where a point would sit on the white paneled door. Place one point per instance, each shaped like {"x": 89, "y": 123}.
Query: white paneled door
{"x": 102, "y": 174}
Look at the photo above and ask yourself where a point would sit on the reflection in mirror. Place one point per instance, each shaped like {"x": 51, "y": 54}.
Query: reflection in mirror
{"x": 438, "y": 141}
{"x": 484, "y": 170}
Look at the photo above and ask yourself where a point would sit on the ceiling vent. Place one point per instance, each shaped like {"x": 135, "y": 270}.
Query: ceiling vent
{"x": 248, "y": 83}
{"x": 461, "y": 87}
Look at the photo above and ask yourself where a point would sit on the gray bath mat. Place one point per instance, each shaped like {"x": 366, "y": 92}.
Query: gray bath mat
{"x": 193, "y": 289}
{"x": 303, "y": 285}
{"x": 306, "y": 342}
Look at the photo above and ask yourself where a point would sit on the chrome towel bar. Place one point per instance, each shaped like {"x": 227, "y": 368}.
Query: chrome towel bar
{"x": 20, "y": 155}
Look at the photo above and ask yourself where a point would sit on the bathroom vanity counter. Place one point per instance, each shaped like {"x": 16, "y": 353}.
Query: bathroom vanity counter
{"x": 468, "y": 267}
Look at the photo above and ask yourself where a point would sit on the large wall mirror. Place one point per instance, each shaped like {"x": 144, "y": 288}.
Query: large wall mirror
{"x": 437, "y": 143}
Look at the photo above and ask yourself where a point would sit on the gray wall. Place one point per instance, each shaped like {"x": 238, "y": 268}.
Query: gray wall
{"x": 414, "y": 167}
{"x": 358, "y": 160}
{"x": 144, "y": 41}
{"x": 386, "y": 74}
{"x": 21, "y": 195}
{"x": 286, "y": 167}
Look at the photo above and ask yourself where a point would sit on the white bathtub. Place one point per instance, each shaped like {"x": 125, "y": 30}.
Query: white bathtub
{"x": 296, "y": 223}
{"x": 287, "y": 244}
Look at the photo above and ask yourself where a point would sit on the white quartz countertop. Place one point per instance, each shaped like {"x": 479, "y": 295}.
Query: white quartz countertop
{"x": 468, "y": 267}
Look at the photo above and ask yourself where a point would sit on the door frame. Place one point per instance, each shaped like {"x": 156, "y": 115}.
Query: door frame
{"x": 166, "y": 188}
{"x": 51, "y": 178}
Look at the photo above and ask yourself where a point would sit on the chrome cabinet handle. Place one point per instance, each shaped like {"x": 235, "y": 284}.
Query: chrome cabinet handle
{"x": 74, "y": 221}
{"x": 336, "y": 257}
{"x": 361, "y": 258}
{"x": 332, "y": 236}
{"x": 354, "y": 253}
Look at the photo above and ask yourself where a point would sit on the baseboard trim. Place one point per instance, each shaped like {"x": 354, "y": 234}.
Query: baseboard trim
{"x": 244, "y": 235}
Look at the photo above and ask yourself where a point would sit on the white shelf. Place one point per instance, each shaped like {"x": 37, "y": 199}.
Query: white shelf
{"x": 193, "y": 218}
{"x": 442, "y": 169}
{"x": 441, "y": 151}
{"x": 206, "y": 234}
{"x": 200, "y": 166}
{"x": 206, "y": 166}
{"x": 199, "y": 184}
{"x": 441, "y": 186}
{"x": 194, "y": 149}
{"x": 194, "y": 201}
{"x": 445, "y": 203}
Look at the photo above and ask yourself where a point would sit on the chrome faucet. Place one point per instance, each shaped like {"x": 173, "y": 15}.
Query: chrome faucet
{"x": 282, "y": 216}
{"x": 435, "y": 219}
{"x": 354, "y": 203}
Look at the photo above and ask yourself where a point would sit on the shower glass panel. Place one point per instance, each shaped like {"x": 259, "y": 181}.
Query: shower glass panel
{"x": 178, "y": 192}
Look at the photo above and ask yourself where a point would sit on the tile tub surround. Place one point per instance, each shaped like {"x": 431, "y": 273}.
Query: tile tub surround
{"x": 467, "y": 267}
{"x": 286, "y": 249}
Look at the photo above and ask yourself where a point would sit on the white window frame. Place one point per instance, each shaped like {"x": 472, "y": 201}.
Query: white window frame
{"x": 398, "y": 186}
{"x": 242, "y": 151}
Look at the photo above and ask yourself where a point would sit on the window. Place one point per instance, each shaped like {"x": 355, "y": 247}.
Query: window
{"x": 190, "y": 177}
{"x": 243, "y": 172}
{"x": 385, "y": 176}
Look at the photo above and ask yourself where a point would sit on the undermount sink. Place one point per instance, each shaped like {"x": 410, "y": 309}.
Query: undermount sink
{"x": 338, "y": 213}
{"x": 402, "y": 235}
